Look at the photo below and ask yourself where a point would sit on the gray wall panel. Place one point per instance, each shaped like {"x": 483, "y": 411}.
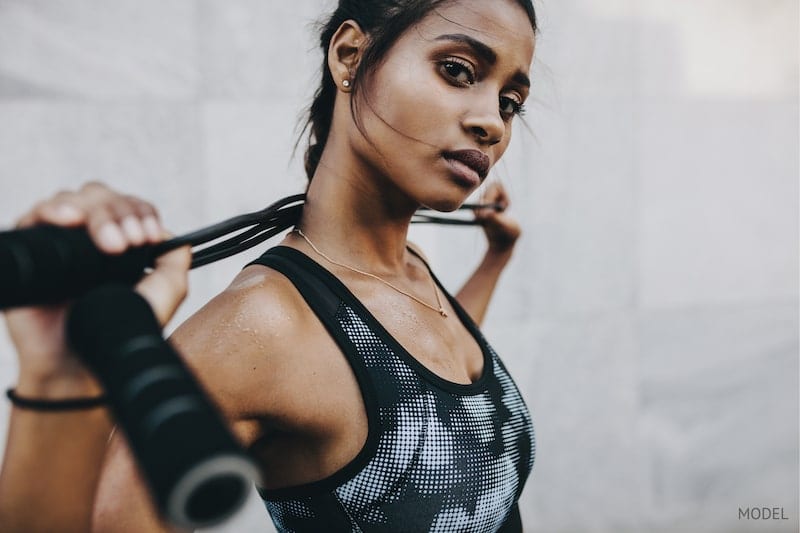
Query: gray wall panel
{"x": 650, "y": 314}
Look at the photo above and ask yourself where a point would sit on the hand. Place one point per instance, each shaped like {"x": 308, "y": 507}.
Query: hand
{"x": 115, "y": 223}
{"x": 501, "y": 230}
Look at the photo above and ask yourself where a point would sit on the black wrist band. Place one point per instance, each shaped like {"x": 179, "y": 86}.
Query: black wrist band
{"x": 71, "y": 404}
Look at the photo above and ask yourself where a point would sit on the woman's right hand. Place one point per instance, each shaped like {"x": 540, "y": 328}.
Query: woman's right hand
{"x": 115, "y": 222}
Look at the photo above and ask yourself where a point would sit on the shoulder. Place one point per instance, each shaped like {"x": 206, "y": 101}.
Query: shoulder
{"x": 418, "y": 251}
{"x": 243, "y": 344}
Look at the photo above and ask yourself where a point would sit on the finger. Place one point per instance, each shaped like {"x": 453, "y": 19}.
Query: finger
{"x": 488, "y": 198}
{"x": 149, "y": 219}
{"x": 137, "y": 219}
{"x": 506, "y": 225}
{"x": 490, "y": 191}
{"x": 498, "y": 193}
{"x": 126, "y": 216}
{"x": 490, "y": 216}
{"x": 503, "y": 198}
{"x": 105, "y": 231}
{"x": 166, "y": 287}
{"x": 65, "y": 208}
{"x": 60, "y": 211}
{"x": 482, "y": 213}
{"x": 96, "y": 189}
{"x": 115, "y": 220}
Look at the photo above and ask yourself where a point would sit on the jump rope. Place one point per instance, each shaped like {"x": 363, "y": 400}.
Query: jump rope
{"x": 260, "y": 226}
{"x": 196, "y": 470}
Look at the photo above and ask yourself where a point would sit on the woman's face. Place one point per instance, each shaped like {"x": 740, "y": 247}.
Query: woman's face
{"x": 438, "y": 111}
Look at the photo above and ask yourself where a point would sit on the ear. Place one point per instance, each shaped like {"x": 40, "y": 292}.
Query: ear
{"x": 344, "y": 54}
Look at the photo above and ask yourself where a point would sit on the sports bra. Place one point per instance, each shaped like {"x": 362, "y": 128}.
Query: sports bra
{"x": 439, "y": 456}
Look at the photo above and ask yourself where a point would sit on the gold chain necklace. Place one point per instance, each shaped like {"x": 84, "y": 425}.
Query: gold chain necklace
{"x": 440, "y": 309}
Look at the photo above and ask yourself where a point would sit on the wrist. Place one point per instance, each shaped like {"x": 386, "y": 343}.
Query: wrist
{"x": 57, "y": 387}
{"x": 60, "y": 405}
{"x": 498, "y": 256}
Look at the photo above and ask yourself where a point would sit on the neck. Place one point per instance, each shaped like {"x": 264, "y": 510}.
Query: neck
{"x": 357, "y": 216}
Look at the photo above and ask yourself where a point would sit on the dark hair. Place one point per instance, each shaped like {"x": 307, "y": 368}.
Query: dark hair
{"x": 384, "y": 21}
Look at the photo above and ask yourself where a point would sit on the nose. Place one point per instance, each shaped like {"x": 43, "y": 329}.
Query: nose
{"x": 483, "y": 121}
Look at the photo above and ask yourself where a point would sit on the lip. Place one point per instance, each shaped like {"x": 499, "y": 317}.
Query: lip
{"x": 474, "y": 160}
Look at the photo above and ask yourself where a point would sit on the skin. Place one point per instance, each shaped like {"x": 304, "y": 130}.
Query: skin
{"x": 264, "y": 357}
{"x": 47, "y": 369}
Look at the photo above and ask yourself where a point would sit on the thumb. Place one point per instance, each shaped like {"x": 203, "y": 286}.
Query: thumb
{"x": 166, "y": 287}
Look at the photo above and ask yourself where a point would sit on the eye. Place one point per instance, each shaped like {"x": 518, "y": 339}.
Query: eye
{"x": 509, "y": 107}
{"x": 458, "y": 71}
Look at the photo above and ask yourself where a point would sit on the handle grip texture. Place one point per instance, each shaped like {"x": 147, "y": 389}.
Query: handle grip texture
{"x": 197, "y": 472}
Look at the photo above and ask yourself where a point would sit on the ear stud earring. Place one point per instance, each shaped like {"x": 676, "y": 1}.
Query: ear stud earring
{"x": 346, "y": 84}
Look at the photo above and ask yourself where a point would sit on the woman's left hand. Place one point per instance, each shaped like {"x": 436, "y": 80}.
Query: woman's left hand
{"x": 501, "y": 230}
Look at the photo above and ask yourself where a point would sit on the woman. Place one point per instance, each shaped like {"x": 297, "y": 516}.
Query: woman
{"x": 308, "y": 353}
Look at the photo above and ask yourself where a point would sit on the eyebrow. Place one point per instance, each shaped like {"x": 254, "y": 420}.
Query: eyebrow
{"x": 485, "y": 52}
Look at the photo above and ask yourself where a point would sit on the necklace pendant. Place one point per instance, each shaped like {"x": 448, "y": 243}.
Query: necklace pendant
{"x": 443, "y": 312}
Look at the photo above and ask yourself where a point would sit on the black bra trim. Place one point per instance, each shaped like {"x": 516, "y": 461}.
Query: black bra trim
{"x": 476, "y": 387}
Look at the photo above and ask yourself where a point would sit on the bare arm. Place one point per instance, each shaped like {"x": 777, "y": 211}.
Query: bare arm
{"x": 123, "y": 501}
{"x": 477, "y": 292}
{"x": 229, "y": 345}
{"x": 52, "y": 460}
{"x": 502, "y": 233}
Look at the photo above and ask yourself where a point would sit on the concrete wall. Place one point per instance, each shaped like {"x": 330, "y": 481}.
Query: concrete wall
{"x": 651, "y": 313}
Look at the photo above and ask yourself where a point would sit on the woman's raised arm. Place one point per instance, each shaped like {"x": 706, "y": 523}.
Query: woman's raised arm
{"x": 502, "y": 233}
{"x": 53, "y": 458}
